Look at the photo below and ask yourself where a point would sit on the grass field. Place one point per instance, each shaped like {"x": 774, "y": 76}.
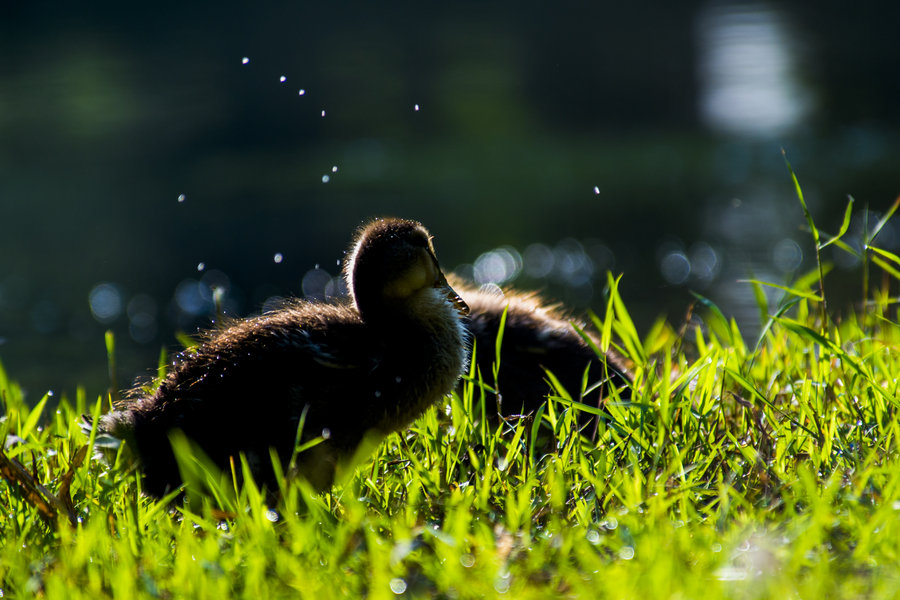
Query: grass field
{"x": 734, "y": 470}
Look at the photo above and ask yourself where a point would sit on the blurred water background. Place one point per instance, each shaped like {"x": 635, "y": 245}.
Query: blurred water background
{"x": 151, "y": 153}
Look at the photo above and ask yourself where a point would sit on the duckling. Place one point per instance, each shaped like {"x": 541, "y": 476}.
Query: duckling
{"x": 370, "y": 364}
{"x": 537, "y": 336}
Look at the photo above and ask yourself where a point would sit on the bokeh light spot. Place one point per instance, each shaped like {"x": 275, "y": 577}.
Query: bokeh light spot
{"x": 106, "y": 302}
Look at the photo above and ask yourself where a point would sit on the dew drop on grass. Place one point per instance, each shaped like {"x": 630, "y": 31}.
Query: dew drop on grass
{"x": 467, "y": 560}
{"x": 626, "y": 553}
{"x": 326, "y": 433}
{"x": 278, "y": 257}
{"x": 398, "y": 586}
{"x": 272, "y": 516}
{"x": 593, "y": 536}
{"x": 245, "y": 60}
{"x": 181, "y": 198}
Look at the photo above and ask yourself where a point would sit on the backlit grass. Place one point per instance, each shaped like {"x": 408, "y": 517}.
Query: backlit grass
{"x": 729, "y": 469}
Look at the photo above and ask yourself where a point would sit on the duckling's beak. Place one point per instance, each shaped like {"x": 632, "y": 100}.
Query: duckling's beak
{"x": 458, "y": 303}
{"x": 440, "y": 283}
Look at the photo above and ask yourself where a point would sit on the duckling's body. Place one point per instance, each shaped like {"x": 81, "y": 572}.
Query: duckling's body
{"x": 372, "y": 364}
{"x": 537, "y": 337}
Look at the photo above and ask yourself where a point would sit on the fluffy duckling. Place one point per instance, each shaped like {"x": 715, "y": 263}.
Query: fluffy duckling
{"x": 371, "y": 364}
{"x": 537, "y": 337}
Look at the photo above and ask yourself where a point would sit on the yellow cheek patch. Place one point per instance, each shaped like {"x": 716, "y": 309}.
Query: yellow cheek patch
{"x": 418, "y": 276}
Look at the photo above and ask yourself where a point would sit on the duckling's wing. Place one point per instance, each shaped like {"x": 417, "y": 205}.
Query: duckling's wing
{"x": 309, "y": 347}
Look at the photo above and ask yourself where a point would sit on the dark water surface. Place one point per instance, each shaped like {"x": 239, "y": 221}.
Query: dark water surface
{"x": 152, "y": 153}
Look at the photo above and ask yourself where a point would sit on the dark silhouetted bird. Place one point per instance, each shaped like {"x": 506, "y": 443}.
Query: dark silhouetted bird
{"x": 368, "y": 365}
{"x": 537, "y": 337}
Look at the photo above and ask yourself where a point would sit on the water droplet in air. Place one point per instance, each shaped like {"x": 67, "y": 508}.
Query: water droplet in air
{"x": 181, "y": 197}
{"x": 201, "y": 266}
{"x": 302, "y": 92}
{"x": 245, "y": 60}
{"x": 282, "y": 79}
{"x": 596, "y": 190}
{"x": 326, "y": 433}
{"x": 416, "y": 108}
{"x": 323, "y": 113}
{"x": 278, "y": 257}
{"x": 325, "y": 178}
{"x": 334, "y": 169}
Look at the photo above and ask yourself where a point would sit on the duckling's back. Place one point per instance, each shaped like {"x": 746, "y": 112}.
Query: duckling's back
{"x": 245, "y": 388}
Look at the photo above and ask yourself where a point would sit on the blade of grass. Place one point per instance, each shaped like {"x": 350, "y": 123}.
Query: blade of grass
{"x": 815, "y": 234}
{"x": 844, "y": 225}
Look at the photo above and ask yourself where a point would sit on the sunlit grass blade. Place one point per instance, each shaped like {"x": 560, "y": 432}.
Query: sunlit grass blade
{"x": 201, "y": 477}
{"x": 790, "y": 290}
{"x": 886, "y": 267}
{"x": 623, "y": 324}
{"x": 838, "y": 352}
{"x": 27, "y": 427}
{"x": 498, "y": 343}
{"x": 799, "y": 191}
{"x": 883, "y": 220}
{"x": 771, "y": 320}
{"x": 718, "y": 322}
{"x": 762, "y": 302}
{"x": 845, "y": 224}
{"x": 815, "y": 233}
{"x": 892, "y": 270}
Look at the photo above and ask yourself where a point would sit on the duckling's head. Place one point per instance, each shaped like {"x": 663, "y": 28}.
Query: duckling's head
{"x": 393, "y": 271}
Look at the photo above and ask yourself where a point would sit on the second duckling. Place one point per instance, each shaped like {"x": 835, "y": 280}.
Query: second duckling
{"x": 537, "y": 337}
{"x": 369, "y": 365}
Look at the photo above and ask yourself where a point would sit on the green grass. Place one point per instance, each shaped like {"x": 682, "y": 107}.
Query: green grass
{"x": 768, "y": 470}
